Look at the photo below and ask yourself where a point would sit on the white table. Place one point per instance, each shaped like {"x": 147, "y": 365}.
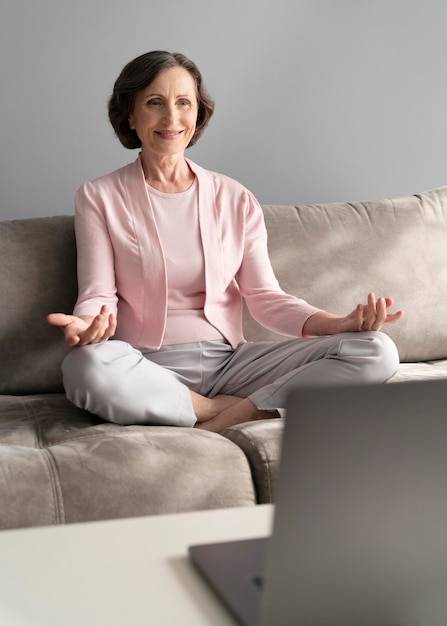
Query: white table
{"x": 133, "y": 572}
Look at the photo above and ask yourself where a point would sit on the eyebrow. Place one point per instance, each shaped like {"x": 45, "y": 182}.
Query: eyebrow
{"x": 159, "y": 95}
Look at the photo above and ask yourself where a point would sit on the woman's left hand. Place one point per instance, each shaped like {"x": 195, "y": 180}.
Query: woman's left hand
{"x": 370, "y": 316}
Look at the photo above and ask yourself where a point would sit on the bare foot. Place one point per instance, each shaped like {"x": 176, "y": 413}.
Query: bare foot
{"x": 238, "y": 412}
{"x": 207, "y": 408}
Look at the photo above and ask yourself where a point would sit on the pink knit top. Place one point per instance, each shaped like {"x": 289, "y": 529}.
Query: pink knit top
{"x": 177, "y": 219}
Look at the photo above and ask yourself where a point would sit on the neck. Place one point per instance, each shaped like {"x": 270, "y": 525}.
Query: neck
{"x": 167, "y": 174}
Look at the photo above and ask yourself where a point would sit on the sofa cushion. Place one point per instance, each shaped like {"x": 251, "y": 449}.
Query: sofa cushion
{"x": 37, "y": 276}
{"x": 423, "y": 370}
{"x": 333, "y": 254}
{"x": 261, "y": 441}
{"x": 60, "y": 464}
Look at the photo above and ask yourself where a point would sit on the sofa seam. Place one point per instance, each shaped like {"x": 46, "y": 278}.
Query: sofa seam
{"x": 50, "y": 465}
{"x": 77, "y": 438}
{"x": 123, "y": 430}
{"x": 33, "y": 418}
{"x": 45, "y": 445}
{"x": 57, "y": 497}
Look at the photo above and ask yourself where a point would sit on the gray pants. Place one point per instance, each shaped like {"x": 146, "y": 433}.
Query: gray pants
{"x": 128, "y": 386}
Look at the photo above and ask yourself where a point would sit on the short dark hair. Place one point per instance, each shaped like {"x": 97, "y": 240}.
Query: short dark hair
{"x": 137, "y": 75}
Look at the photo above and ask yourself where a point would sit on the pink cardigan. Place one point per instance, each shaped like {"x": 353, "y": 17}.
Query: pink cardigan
{"x": 121, "y": 261}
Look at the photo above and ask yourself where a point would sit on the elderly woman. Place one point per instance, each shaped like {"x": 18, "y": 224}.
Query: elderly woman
{"x": 167, "y": 252}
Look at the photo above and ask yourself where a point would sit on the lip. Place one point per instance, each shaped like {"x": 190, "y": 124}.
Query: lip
{"x": 169, "y": 134}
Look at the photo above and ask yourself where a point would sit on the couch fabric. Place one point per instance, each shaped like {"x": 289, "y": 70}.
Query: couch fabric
{"x": 59, "y": 464}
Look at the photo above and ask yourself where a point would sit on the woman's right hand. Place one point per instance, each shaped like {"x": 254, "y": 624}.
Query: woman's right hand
{"x": 86, "y": 329}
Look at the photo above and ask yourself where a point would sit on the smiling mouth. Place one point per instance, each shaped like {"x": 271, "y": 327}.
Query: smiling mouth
{"x": 169, "y": 134}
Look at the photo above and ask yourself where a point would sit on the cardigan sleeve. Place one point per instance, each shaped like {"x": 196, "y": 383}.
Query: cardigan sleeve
{"x": 96, "y": 274}
{"x": 267, "y": 302}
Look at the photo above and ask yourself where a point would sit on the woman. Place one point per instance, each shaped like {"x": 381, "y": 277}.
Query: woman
{"x": 167, "y": 251}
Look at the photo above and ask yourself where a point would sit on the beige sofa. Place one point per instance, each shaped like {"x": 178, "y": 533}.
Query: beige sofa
{"x": 59, "y": 464}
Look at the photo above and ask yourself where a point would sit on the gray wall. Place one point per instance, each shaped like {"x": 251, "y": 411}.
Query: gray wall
{"x": 317, "y": 100}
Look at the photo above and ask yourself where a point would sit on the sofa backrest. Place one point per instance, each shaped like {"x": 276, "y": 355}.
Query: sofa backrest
{"x": 328, "y": 254}
{"x": 37, "y": 277}
{"x": 333, "y": 254}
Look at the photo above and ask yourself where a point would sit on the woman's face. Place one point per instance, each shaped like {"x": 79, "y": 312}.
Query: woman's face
{"x": 165, "y": 113}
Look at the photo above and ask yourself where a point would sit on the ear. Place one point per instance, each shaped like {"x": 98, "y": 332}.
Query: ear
{"x": 131, "y": 122}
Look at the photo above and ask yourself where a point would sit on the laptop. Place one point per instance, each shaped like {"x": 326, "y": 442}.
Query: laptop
{"x": 360, "y": 525}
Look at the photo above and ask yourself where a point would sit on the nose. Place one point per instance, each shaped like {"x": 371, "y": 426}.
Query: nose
{"x": 170, "y": 113}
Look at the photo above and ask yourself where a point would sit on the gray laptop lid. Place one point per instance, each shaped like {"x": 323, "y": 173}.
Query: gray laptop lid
{"x": 360, "y": 530}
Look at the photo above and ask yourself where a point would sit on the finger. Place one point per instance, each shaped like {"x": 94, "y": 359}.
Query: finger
{"x": 106, "y": 325}
{"x": 381, "y": 314}
{"x": 59, "y": 319}
{"x": 72, "y": 340}
{"x": 94, "y": 331}
{"x": 110, "y": 330}
{"x": 71, "y": 334}
{"x": 369, "y": 317}
{"x": 359, "y": 316}
{"x": 66, "y": 324}
{"x": 99, "y": 330}
{"x": 392, "y": 318}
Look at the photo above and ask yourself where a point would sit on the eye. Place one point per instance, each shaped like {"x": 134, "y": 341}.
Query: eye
{"x": 154, "y": 102}
{"x": 184, "y": 103}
